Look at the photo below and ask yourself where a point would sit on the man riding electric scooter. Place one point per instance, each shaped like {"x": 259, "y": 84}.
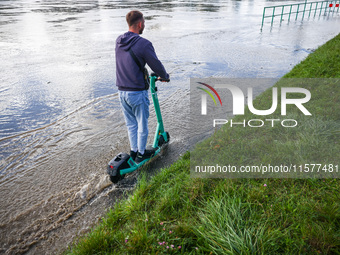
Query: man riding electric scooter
{"x": 132, "y": 53}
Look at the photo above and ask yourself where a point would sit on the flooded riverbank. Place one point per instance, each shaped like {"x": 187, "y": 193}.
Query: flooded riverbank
{"x": 60, "y": 121}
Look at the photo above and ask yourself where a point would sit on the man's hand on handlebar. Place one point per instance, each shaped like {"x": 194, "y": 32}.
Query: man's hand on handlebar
{"x": 163, "y": 80}
{"x": 160, "y": 78}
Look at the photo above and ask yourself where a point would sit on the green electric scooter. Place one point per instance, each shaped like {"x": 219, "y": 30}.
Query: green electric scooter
{"x": 123, "y": 163}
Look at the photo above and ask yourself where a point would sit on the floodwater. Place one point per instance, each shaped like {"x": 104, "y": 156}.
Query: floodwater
{"x": 60, "y": 121}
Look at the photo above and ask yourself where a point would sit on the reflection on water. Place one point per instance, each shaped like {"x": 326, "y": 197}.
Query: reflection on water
{"x": 60, "y": 121}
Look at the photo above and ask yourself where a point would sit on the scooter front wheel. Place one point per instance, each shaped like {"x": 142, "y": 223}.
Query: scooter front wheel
{"x": 162, "y": 141}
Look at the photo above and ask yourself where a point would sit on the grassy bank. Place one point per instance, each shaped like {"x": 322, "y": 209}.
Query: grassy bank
{"x": 173, "y": 213}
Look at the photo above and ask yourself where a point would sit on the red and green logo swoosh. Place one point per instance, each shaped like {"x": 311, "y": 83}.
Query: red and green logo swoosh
{"x": 209, "y": 93}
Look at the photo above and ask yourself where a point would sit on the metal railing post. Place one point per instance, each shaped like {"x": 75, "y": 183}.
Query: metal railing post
{"x": 321, "y": 8}
{"x": 273, "y": 16}
{"x": 304, "y": 9}
{"x": 264, "y": 11}
{"x": 297, "y": 12}
{"x": 310, "y": 9}
{"x": 333, "y": 9}
{"x": 290, "y": 12}
{"x": 316, "y": 7}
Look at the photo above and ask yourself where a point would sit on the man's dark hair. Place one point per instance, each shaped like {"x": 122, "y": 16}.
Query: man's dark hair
{"x": 133, "y": 17}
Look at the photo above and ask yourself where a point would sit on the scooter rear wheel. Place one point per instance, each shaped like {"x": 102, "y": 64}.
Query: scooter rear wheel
{"x": 117, "y": 178}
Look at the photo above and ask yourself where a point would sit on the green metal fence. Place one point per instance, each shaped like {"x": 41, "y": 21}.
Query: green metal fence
{"x": 311, "y": 9}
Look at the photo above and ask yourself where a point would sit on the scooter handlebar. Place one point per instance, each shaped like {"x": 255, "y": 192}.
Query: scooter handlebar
{"x": 158, "y": 78}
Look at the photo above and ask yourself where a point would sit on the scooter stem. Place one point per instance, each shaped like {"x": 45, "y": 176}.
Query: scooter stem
{"x": 160, "y": 126}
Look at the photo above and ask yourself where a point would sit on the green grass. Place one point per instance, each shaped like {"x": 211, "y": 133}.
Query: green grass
{"x": 176, "y": 214}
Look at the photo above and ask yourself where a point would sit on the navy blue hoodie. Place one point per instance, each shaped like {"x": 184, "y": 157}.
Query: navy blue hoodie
{"x": 129, "y": 76}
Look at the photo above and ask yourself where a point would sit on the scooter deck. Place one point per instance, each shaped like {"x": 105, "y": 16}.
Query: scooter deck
{"x": 123, "y": 164}
{"x": 134, "y": 166}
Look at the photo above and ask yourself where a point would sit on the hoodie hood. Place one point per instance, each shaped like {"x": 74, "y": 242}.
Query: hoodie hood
{"x": 127, "y": 40}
